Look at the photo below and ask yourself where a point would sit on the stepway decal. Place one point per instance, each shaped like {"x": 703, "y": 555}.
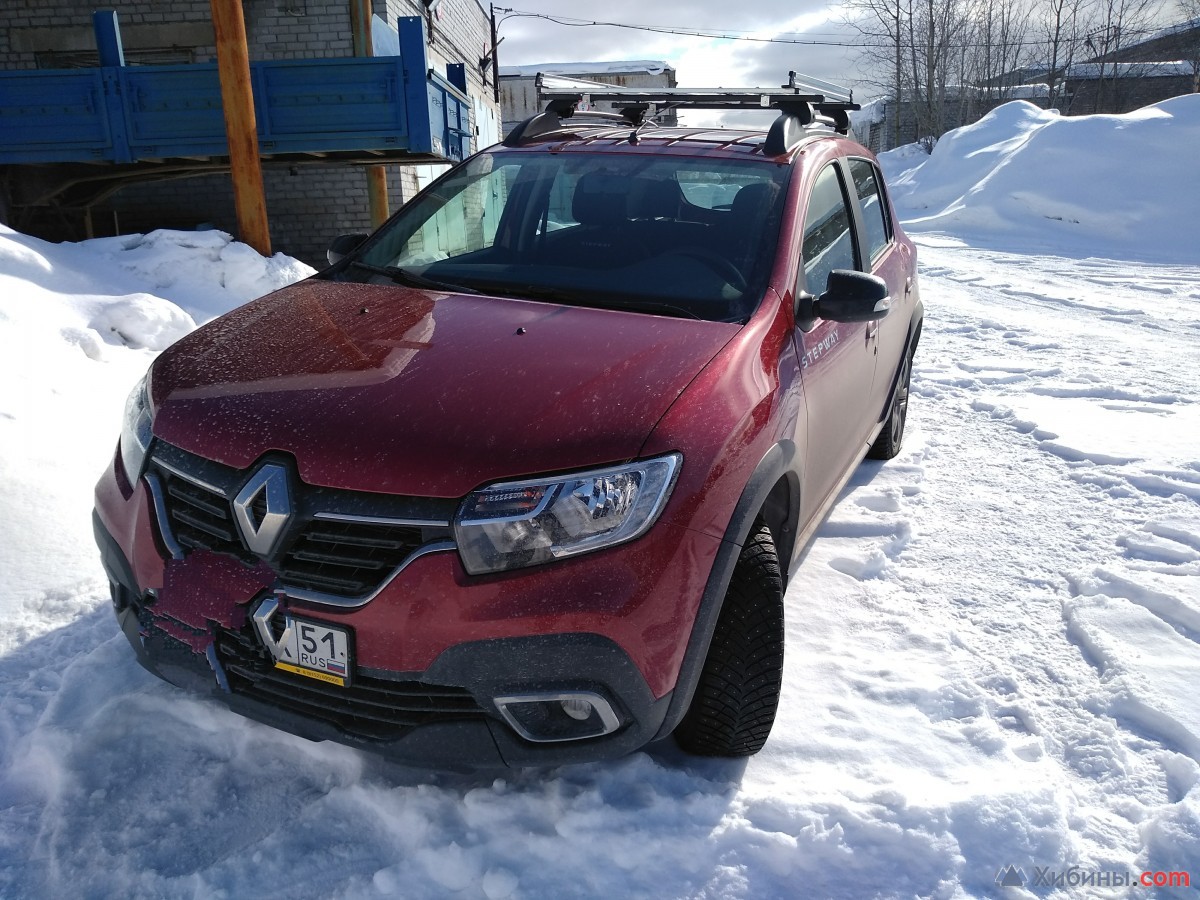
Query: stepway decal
{"x": 819, "y": 349}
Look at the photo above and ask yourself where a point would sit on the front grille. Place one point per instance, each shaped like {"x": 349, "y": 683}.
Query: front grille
{"x": 343, "y": 544}
{"x": 200, "y": 519}
{"x": 373, "y": 709}
{"x": 347, "y": 558}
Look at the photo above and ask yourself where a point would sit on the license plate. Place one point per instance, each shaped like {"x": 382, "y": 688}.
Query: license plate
{"x": 314, "y": 650}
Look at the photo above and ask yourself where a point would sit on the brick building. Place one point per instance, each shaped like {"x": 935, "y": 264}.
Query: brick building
{"x": 309, "y": 200}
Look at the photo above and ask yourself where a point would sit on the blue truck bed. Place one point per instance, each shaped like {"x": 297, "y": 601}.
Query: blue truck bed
{"x": 130, "y": 114}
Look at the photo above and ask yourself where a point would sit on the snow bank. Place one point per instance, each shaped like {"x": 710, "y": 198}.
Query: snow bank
{"x": 1026, "y": 178}
{"x": 992, "y": 645}
{"x": 79, "y": 323}
{"x": 205, "y": 272}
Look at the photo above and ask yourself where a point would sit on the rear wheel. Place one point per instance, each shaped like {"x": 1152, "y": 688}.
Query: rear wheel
{"x": 887, "y": 445}
{"x": 738, "y": 693}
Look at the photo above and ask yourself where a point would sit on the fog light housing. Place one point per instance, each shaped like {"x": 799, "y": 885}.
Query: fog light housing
{"x": 558, "y": 716}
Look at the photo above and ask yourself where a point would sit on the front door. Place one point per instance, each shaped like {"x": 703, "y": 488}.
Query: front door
{"x": 837, "y": 359}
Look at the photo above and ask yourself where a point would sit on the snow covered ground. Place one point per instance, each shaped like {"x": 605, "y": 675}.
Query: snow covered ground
{"x": 994, "y": 644}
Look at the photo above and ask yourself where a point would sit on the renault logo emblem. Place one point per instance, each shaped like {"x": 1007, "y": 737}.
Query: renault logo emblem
{"x": 263, "y": 507}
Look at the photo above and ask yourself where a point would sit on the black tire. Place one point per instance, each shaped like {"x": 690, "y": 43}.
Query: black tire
{"x": 738, "y": 693}
{"x": 887, "y": 445}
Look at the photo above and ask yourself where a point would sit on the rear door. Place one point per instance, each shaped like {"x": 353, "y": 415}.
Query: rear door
{"x": 881, "y": 255}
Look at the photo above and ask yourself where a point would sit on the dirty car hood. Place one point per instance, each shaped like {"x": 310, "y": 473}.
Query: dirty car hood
{"x": 414, "y": 392}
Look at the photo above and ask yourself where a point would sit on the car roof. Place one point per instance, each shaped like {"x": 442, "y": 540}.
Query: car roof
{"x": 725, "y": 142}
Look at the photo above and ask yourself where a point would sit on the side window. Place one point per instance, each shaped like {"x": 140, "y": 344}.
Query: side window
{"x": 828, "y": 239}
{"x": 875, "y": 218}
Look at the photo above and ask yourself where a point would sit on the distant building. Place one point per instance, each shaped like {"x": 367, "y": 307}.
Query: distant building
{"x": 1164, "y": 65}
{"x": 518, "y": 91}
{"x": 311, "y": 197}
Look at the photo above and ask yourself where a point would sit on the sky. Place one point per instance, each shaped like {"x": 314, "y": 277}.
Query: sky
{"x": 992, "y": 644}
{"x": 698, "y": 61}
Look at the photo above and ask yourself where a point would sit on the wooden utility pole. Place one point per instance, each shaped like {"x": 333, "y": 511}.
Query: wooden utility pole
{"x": 377, "y": 189}
{"x": 495, "y": 57}
{"x": 237, "y": 98}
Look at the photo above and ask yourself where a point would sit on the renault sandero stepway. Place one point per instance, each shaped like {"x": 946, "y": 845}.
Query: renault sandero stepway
{"x": 520, "y": 478}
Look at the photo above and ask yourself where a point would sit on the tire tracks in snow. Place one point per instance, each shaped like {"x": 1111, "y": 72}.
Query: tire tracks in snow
{"x": 1059, "y": 561}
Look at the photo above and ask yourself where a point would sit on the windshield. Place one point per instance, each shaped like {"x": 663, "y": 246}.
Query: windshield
{"x": 665, "y": 234}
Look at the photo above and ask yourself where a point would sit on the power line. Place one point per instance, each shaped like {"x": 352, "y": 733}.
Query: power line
{"x": 714, "y": 34}
{"x": 735, "y": 35}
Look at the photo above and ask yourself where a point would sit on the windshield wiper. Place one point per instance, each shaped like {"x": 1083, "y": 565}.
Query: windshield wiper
{"x": 568, "y": 298}
{"x": 649, "y": 306}
{"x": 402, "y": 275}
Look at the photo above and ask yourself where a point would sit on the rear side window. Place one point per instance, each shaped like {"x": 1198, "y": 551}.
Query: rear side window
{"x": 828, "y": 240}
{"x": 875, "y": 219}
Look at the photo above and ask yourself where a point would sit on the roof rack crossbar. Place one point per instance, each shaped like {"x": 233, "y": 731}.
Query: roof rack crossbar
{"x": 833, "y": 91}
{"x": 802, "y": 102}
{"x": 799, "y": 87}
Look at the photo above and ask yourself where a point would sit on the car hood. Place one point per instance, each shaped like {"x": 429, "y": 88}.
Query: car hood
{"x": 405, "y": 391}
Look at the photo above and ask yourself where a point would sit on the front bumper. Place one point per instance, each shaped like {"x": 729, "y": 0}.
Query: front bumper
{"x": 610, "y": 627}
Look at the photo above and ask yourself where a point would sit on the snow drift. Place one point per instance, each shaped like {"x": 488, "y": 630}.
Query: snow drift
{"x": 1031, "y": 179}
{"x": 992, "y": 645}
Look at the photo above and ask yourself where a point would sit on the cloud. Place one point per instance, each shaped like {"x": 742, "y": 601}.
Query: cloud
{"x": 698, "y": 61}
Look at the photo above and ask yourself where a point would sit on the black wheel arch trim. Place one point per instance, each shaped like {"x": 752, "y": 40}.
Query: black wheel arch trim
{"x": 910, "y": 347}
{"x": 773, "y": 491}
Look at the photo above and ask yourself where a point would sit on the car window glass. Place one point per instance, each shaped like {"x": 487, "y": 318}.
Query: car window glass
{"x": 710, "y": 189}
{"x": 464, "y": 223}
{"x": 875, "y": 224}
{"x": 596, "y": 229}
{"x": 828, "y": 240}
{"x": 559, "y": 213}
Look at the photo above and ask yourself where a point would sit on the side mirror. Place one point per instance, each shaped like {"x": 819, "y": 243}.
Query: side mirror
{"x": 342, "y": 245}
{"x": 853, "y": 297}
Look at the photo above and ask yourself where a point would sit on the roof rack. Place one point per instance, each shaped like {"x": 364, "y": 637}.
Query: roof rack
{"x": 802, "y": 102}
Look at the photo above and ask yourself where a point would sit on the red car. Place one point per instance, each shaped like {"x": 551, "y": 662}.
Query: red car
{"x": 520, "y": 478}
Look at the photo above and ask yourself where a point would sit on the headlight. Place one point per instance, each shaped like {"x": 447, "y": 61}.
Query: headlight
{"x": 135, "y": 430}
{"x": 523, "y": 523}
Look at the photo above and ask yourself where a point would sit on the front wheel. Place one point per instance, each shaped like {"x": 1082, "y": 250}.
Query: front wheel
{"x": 887, "y": 445}
{"x": 738, "y": 693}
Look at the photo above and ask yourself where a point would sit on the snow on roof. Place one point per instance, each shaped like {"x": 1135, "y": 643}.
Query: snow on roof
{"x": 1025, "y": 91}
{"x": 1131, "y": 70}
{"x": 612, "y": 67}
{"x": 1172, "y": 30}
{"x": 872, "y": 112}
